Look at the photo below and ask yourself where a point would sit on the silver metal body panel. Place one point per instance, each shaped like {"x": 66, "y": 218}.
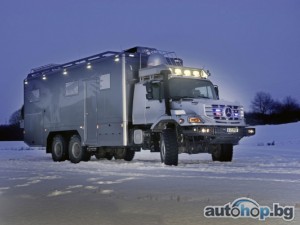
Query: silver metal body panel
{"x": 146, "y": 111}
{"x": 96, "y": 102}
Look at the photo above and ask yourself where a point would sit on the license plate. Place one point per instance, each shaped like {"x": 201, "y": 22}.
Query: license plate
{"x": 233, "y": 130}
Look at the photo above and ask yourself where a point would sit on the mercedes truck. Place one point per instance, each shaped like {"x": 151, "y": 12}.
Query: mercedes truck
{"x": 113, "y": 104}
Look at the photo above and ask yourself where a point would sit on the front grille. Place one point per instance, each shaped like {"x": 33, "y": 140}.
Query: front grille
{"x": 228, "y": 114}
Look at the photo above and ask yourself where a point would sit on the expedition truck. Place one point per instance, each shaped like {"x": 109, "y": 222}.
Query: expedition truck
{"x": 116, "y": 103}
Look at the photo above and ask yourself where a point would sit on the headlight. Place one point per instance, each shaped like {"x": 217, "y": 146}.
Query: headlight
{"x": 242, "y": 114}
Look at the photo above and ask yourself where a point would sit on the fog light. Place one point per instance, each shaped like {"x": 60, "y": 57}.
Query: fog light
{"x": 251, "y": 131}
{"x": 205, "y": 130}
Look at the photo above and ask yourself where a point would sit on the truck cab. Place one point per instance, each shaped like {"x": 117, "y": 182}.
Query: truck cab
{"x": 180, "y": 107}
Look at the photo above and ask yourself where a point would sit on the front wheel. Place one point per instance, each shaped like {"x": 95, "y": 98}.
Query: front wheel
{"x": 223, "y": 153}
{"x": 169, "y": 147}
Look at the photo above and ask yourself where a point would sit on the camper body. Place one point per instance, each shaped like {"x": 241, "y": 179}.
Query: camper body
{"x": 115, "y": 103}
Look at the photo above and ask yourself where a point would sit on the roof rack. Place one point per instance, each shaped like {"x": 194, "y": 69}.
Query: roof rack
{"x": 53, "y": 67}
{"x": 43, "y": 67}
{"x": 171, "y": 57}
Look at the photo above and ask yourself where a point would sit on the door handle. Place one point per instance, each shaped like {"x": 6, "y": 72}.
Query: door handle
{"x": 148, "y": 107}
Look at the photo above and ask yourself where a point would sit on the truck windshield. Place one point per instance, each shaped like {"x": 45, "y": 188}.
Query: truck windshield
{"x": 191, "y": 88}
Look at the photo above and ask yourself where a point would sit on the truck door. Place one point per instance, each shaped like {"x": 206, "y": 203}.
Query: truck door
{"x": 91, "y": 90}
{"x": 155, "y": 106}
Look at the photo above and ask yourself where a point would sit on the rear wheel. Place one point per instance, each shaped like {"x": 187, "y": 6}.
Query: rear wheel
{"x": 223, "y": 153}
{"x": 119, "y": 153}
{"x": 86, "y": 156}
{"x": 129, "y": 155}
{"x": 109, "y": 156}
{"x": 124, "y": 153}
{"x": 59, "y": 149}
{"x": 77, "y": 153}
{"x": 102, "y": 154}
{"x": 169, "y": 147}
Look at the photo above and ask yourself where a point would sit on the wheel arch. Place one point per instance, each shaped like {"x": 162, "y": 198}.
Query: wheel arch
{"x": 163, "y": 124}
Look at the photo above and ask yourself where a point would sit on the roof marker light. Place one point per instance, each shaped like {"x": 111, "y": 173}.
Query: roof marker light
{"x": 187, "y": 73}
{"x": 204, "y": 74}
{"x": 89, "y": 66}
{"x": 178, "y": 71}
{"x": 196, "y": 73}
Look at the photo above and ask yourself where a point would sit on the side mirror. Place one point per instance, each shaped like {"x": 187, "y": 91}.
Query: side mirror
{"x": 217, "y": 91}
{"x": 149, "y": 87}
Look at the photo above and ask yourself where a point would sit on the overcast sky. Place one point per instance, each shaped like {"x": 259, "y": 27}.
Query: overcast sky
{"x": 248, "y": 45}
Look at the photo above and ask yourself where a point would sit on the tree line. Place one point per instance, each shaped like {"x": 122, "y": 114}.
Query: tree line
{"x": 12, "y": 131}
{"x": 266, "y": 110}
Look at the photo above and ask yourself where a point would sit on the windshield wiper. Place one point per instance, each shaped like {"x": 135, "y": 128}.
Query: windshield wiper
{"x": 202, "y": 97}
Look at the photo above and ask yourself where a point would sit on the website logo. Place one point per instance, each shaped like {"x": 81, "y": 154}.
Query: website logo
{"x": 249, "y": 208}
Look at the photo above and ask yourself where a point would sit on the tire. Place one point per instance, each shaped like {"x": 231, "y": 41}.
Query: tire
{"x": 109, "y": 156}
{"x": 104, "y": 155}
{"x": 129, "y": 155}
{"x": 59, "y": 150}
{"x": 77, "y": 153}
{"x": 169, "y": 147}
{"x": 100, "y": 154}
{"x": 223, "y": 153}
{"x": 98, "y": 157}
{"x": 119, "y": 153}
{"x": 86, "y": 156}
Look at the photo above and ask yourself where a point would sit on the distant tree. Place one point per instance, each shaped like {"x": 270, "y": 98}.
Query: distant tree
{"x": 15, "y": 118}
{"x": 277, "y": 107}
{"x": 265, "y": 110}
{"x": 290, "y": 104}
{"x": 262, "y": 103}
{"x": 290, "y": 110}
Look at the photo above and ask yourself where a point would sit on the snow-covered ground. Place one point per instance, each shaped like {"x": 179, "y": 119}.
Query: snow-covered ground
{"x": 35, "y": 190}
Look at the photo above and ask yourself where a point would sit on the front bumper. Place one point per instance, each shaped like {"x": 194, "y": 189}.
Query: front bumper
{"x": 219, "y": 134}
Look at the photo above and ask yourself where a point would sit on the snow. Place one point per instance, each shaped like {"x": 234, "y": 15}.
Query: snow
{"x": 36, "y": 190}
